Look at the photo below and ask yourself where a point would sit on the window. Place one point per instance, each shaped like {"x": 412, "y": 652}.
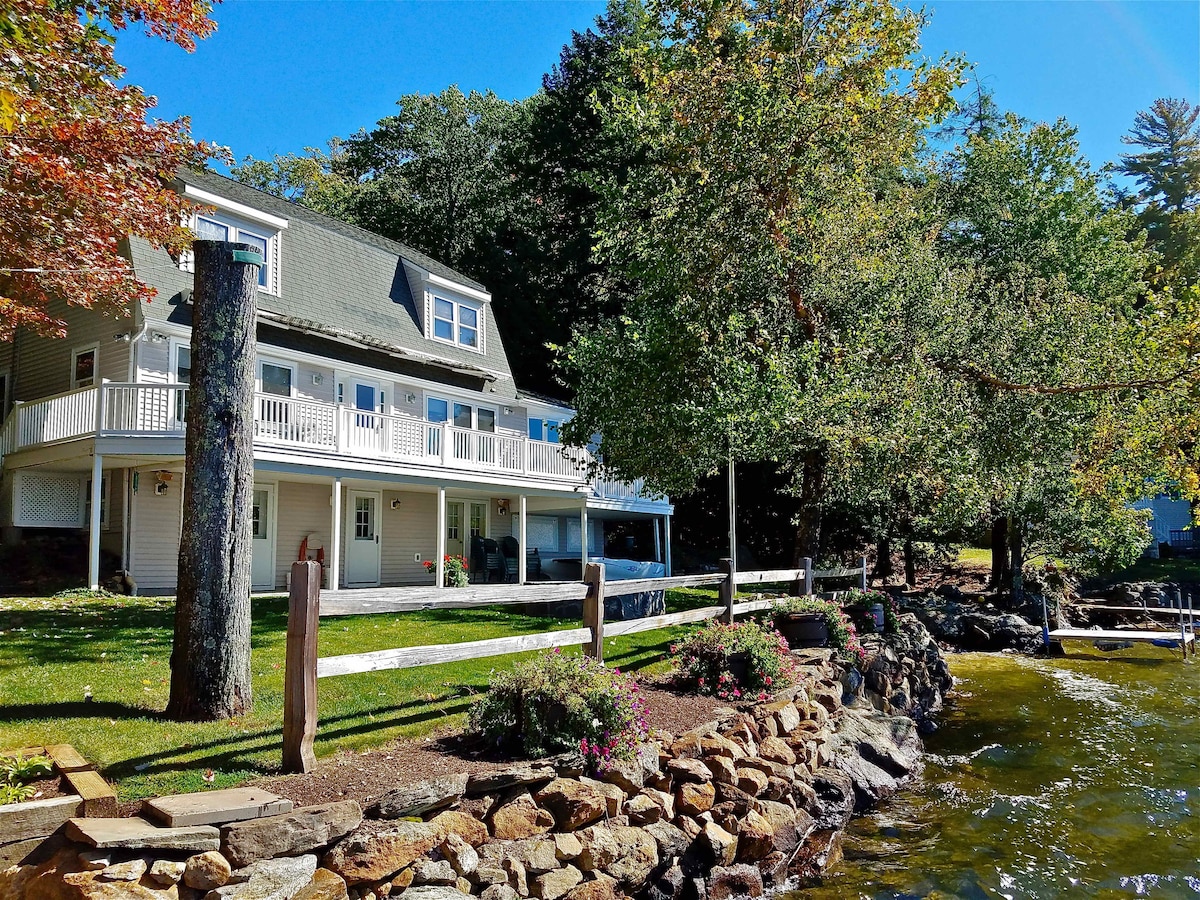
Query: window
{"x": 544, "y": 430}
{"x": 486, "y": 419}
{"x": 83, "y": 366}
{"x": 454, "y": 521}
{"x": 478, "y": 519}
{"x": 208, "y": 228}
{"x": 465, "y": 415}
{"x": 457, "y": 322}
{"x": 87, "y": 502}
{"x": 364, "y": 518}
{"x": 462, "y": 415}
{"x": 276, "y": 379}
{"x": 258, "y": 516}
{"x": 437, "y": 410}
{"x": 183, "y": 375}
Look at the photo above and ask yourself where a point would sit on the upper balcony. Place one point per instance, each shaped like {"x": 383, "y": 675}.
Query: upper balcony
{"x": 309, "y": 428}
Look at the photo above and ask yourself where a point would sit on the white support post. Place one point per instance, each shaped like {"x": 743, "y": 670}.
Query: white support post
{"x": 583, "y": 536}
{"x": 657, "y": 541}
{"x": 94, "y": 523}
{"x": 522, "y": 536}
{"x": 440, "y": 568}
{"x": 335, "y": 536}
{"x": 667, "y": 544}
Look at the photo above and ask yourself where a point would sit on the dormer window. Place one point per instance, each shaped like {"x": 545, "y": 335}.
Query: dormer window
{"x": 211, "y": 228}
{"x": 458, "y": 322}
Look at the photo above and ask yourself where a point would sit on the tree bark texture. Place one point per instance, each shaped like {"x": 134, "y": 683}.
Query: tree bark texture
{"x": 1000, "y": 557}
{"x": 1016, "y": 540}
{"x": 808, "y": 521}
{"x": 883, "y": 560}
{"x": 210, "y": 661}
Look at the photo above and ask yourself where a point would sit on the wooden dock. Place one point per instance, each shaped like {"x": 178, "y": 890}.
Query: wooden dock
{"x": 1183, "y": 639}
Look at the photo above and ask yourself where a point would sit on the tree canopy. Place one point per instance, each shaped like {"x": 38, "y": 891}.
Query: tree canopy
{"x": 81, "y": 167}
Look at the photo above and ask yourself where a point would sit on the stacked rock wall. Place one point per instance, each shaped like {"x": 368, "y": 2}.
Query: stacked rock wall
{"x": 726, "y": 809}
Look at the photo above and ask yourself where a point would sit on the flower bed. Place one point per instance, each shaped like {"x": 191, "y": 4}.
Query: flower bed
{"x": 554, "y": 703}
{"x": 743, "y": 661}
{"x": 843, "y": 636}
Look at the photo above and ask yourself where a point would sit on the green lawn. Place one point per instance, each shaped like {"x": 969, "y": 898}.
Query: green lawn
{"x": 1159, "y": 570}
{"x": 94, "y": 673}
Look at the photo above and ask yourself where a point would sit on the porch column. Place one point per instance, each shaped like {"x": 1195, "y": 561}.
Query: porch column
{"x": 440, "y": 569}
{"x": 522, "y": 536}
{"x": 583, "y": 535}
{"x": 667, "y": 544}
{"x": 335, "y": 537}
{"x": 94, "y": 523}
{"x": 657, "y": 541}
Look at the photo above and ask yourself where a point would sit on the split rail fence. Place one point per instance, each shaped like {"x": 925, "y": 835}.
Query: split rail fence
{"x": 305, "y": 608}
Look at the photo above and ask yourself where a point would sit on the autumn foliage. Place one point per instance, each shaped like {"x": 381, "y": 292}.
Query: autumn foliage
{"x": 82, "y": 167}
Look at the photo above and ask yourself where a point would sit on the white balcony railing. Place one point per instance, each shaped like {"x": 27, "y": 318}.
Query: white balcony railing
{"x": 159, "y": 410}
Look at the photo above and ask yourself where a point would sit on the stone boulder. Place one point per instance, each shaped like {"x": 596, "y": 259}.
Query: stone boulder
{"x": 420, "y": 798}
{"x": 300, "y": 831}
{"x": 375, "y": 851}
{"x": 572, "y": 803}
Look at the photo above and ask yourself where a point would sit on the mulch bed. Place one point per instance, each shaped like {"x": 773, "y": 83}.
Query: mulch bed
{"x": 49, "y": 788}
{"x": 367, "y": 776}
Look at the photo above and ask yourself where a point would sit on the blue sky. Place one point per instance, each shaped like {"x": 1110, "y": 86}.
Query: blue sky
{"x": 280, "y": 75}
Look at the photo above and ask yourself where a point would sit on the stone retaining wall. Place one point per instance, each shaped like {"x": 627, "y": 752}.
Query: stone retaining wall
{"x": 726, "y": 809}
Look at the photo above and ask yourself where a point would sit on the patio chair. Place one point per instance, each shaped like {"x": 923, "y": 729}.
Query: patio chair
{"x": 533, "y": 565}
{"x": 510, "y": 547}
{"x": 479, "y": 569}
{"x": 495, "y": 560}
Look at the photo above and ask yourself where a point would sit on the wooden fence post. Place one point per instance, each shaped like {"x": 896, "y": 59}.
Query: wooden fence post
{"x": 300, "y": 668}
{"x": 808, "y": 575}
{"x": 593, "y": 610}
{"x": 727, "y": 589}
{"x": 862, "y": 578}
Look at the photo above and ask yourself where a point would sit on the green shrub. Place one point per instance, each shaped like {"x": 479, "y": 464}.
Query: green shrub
{"x": 843, "y": 636}
{"x": 703, "y": 660}
{"x": 554, "y": 703}
{"x": 16, "y": 771}
{"x": 864, "y": 600}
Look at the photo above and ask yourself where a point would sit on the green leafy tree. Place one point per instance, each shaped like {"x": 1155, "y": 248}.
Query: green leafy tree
{"x": 1166, "y": 169}
{"x": 766, "y": 230}
{"x": 309, "y": 179}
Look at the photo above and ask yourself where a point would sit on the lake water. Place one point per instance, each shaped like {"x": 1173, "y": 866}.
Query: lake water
{"x": 1076, "y": 777}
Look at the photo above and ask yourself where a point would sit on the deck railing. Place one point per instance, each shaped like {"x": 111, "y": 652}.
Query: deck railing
{"x": 160, "y": 409}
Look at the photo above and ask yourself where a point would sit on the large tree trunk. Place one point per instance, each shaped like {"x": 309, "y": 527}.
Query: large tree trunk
{"x": 883, "y": 560}
{"x": 910, "y": 564}
{"x": 1016, "y": 541}
{"x": 210, "y": 662}
{"x": 1001, "y": 571}
{"x": 808, "y": 519}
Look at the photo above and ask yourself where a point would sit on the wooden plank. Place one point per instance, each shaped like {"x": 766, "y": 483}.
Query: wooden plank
{"x": 67, "y": 758}
{"x": 374, "y": 601}
{"x": 99, "y": 800}
{"x": 37, "y": 818}
{"x": 14, "y": 852}
{"x": 837, "y": 573}
{"x": 727, "y": 588}
{"x": 300, "y": 668}
{"x": 593, "y": 610}
{"x": 408, "y": 657}
{"x": 765, "y": 576}
{"x": 741, "y": 609}
{"x": 1171, "y": 611}
{"x": 638, "y": 585}
{"x": 633, "y": 626}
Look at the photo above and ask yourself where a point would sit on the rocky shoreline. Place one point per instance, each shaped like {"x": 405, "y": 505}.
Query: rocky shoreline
{"x": 729, "y": 808}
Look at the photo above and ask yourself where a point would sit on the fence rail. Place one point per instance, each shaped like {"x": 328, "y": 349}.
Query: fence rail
{"x": 306, "y": 606}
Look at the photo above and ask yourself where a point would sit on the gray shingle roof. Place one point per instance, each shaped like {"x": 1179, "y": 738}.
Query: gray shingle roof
{"x": 335, "y": 276}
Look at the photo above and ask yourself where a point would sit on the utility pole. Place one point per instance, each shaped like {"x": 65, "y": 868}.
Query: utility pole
{"x": 210, "y": 661}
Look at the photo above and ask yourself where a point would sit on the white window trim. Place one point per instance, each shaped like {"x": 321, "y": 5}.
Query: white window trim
{"x": 258, "y": 375}
{"x": 76, "y": 352}
{"x": 455, "y": 324}
{"x": 450, "y": 400}
{"x": 238, "y": 221}
{"x": 234, "y": 208}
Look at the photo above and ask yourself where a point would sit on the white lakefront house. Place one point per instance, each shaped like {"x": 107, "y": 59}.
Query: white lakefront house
{"x": 388, "y": 427}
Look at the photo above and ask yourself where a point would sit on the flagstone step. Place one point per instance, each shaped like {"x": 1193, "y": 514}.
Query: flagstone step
{"x": 138, "y": 834}
{"x": 216, "y": 807}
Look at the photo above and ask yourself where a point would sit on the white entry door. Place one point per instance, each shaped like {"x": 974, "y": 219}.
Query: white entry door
{"x": 456, "y": 544}
{"x": 262, "y": 538}
{"x": 362, "y": 538}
